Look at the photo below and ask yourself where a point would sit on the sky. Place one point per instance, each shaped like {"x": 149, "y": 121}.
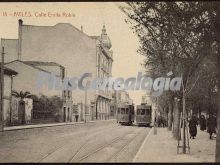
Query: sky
{"x": 92, "y": 16}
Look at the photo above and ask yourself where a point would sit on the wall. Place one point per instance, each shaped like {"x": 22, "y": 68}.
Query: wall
{"x": 64, "y": 44}
{"x": 28, "y": 109}
{"x": 11, "y": 49}
{"x": 26, "y": 79}
{"x": 7, "y": 96}
{"x": 53, "y": 69}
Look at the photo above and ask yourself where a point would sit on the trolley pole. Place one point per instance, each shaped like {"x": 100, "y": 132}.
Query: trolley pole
{"x": 184, "y": 124}
{"x": 2, "y": 91}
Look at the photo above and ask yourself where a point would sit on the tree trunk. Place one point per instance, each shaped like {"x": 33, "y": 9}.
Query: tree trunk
{"x": 217, "y": 150}
{"x": 176, "y": 123}
{"x": 174, "y": 118}
{"x": 170, "y": 115}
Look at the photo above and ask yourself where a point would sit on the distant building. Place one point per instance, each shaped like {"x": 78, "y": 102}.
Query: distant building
{"x": 71, "y": 48}
{"x": 119, "y": 97}
{"x": 9, "y": 75}
{"x": 67, "y": 106}
{"x": 144, "y": 99}
{"x": 123, "y": 97}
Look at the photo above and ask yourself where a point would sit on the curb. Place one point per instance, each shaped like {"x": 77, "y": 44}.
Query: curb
{"x": 14, "y": 128}
{"x": 142, "y": 145}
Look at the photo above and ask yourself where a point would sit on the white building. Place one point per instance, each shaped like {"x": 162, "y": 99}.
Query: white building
{"x": 9, "y": 75}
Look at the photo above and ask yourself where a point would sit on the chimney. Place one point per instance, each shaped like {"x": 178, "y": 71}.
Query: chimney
{"x": 81, "y": 28}
{"x": 20, "y": 23}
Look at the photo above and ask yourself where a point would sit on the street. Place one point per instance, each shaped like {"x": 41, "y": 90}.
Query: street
{"x": 101, "y": 141}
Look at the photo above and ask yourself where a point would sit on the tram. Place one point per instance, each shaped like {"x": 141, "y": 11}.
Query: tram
{"x": 143, "y": 115}
{"x": 125, "y": 114}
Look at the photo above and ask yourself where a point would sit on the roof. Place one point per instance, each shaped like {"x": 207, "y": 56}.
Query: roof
{"x": 9, "y": 39}
{"x": 95, "y": 37}
{"x": 27, "y": 64}
{"x": 41, "y": 63}
{"x": 35, "y": 67}
{"x": 9, "y": 71}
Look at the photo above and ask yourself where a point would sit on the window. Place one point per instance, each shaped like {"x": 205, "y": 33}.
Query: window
{"x": 118, "y": 110}
{"x": 123, "y": 111}
{"x": 138, "y": 111}
{"x": 69, "y": 94}
{"x": 64, "y": 114}
{"x": 127, "y": 111}
{"x": 62, "y": 73}
{"x": 132, "y": 111}
{"x": 148, "y": 112}
{"x": 68, "y": 114}
{"x": 142, "y": 111}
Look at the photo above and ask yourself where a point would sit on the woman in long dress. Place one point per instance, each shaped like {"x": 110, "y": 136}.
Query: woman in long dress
{"x": 193, "y": 127}
{"x": 202, "y": 123}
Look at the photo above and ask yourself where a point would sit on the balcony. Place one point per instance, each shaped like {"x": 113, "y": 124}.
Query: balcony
{"x": 106, "y": 94}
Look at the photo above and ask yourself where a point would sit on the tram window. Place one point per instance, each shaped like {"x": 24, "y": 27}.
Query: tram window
{"x": 143, "y": 112}
{"x": 127, "y": 111}
{"x": 118, "y": 110}
{"x": 148, "y": 112}
{"x": 138, "y": 112}
{"x": 123, "y": 111}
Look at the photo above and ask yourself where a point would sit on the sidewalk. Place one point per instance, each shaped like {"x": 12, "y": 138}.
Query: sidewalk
{"x": 48, "y": 125}
{"x": 162, "y": 147}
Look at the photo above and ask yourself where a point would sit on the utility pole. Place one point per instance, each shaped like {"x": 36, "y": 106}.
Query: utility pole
{"x": 87, "y": 85}
{"x": 85, "y": 103}
{"x": 2, "y": 91}
{"x": 184, "y": 124}
{"x": 116, "y": 105}
{"x": 155, "y": 114}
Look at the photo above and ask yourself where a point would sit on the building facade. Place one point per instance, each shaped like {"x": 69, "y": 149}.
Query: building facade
{"x": 104, "y": 70}
{"x": 25, "y": 81}
{"x": 67, "y": 106}
{"x": 27, "y": 78}
{"x": 119, "y": 97}
{"x": 123, "y": 97}
{"x": 9, "y": 75}
{"x": 73, "y": 49}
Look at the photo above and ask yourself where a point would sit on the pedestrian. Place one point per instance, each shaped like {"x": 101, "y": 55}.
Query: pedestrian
{"x": 211, "y": 124}
{"x": 202, "y": 123}
{"x": 193, "y": 127}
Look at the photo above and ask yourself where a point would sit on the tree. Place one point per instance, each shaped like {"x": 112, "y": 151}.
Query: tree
{"x": 22, "y": 95}
{"x": 47, "y": 107}
{"x": 175, "y": 36}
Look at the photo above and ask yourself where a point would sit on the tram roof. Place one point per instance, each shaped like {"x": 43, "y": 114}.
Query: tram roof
{"x": 144, "y": 106}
